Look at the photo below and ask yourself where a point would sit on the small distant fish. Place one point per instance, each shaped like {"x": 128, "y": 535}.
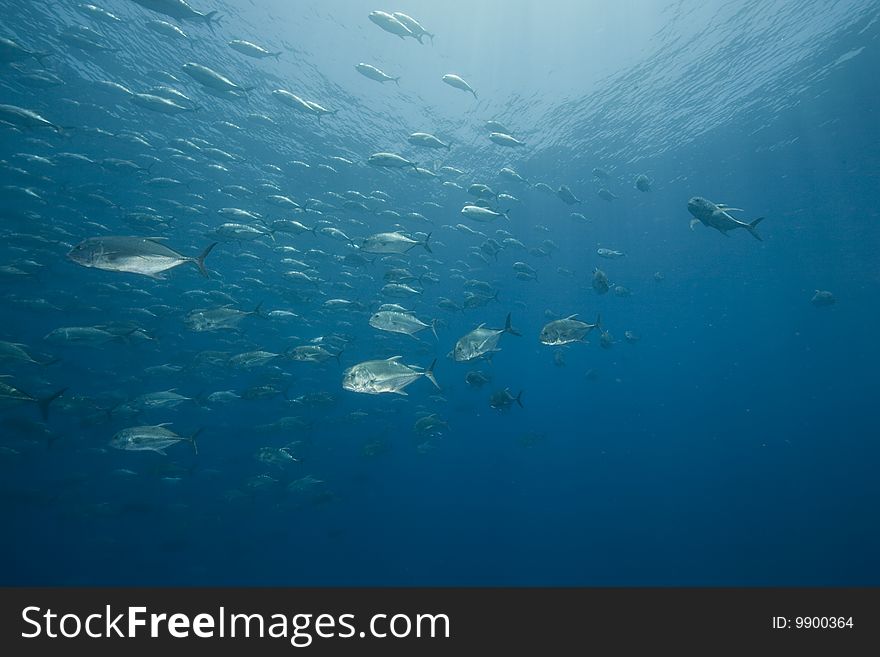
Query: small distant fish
{"x": 610, "y": 253}
{"x": 502, "y": 400}
{"x": 823, "y": 298}
{"x": 567, "y": 196}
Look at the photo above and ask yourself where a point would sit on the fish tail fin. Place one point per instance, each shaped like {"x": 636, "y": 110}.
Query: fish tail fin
{"x": 419, "y": 39}
{"x": 508, "y": 328}
{"x": 51, "y": 361}
{"x": 506, "y": 214}
{"x": 751, "y": 228}
{"x": 474, "y": 93}
{"x": 258, "y": 310}
{"x": 44, "y": 402}
{"x": 39, "y": 56}
{"x": 200, "y": 260}
{"x": 434, "y": 329}
{"x": 211, "y": 17}
{"x": 277, "y": 56}
{"x": 427, "y": 248}
{"x": 599, "y": 319}
{"x": 338, "y": 356}
{"x": 192, "y": 440}
{"x": 430, "y": 374}
{"x": 431, "y": 36}
{"x": 519, "y": 399}
{"x": 396, "y": 80}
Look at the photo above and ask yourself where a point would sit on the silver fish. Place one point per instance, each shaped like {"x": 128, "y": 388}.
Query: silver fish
{"x": 137, "y": 255}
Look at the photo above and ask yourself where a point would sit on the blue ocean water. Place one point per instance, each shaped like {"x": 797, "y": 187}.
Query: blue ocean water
{"x": 730, "y": 440}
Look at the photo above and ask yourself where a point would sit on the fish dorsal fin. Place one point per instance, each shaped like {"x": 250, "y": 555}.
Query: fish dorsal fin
{"x": 480, "y": 326}
{"x": 163, "y": 424}
{"x": 393, "y": 359}
{"x": 572, "y": 316}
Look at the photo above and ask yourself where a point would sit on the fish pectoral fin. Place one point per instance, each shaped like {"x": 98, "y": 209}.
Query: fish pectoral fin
{"x": 694, "y": 222}
{"x": 160, "y": 451}
{"x": 401, "y": 392}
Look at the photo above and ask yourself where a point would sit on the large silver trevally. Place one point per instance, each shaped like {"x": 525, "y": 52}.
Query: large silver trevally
{"x": 154, "y": 438}
{"x": 717, "y": 216}
{"x": 566, "y": 331}
{"x": 392, "y": 243}
{"x": 374, "y": 377}
{"x": 480, "y": 341}
{"x": 137, "y": 255}
{"x": 179, "y": 9}
{"x": 216, "y": 319}
{"x": 400, "y": 321}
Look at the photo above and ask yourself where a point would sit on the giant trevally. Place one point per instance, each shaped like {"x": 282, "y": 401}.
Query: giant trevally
{"x": 566, "y": 331}
{"x": 252, "y": 49}
{"x": 370, "y": 71}
{"x": 137, "y": 255}
{"x": 413, "y": 26}
{"x": 455, "y": 81}
{"x": 718, "y": 216}
{"x": 392, "y": 243}
{"x": 374, "y": 377}
{"x": 481, "y": 341}
{"x": 179, "y": 9}
{"x": 155, "y": 438}
{"x": 390, "y": 24}
{"x": 211, "y": 79}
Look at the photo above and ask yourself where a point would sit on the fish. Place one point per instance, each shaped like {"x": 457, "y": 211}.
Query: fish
{"x": 823, "y": 298}
{"x": 566, "y": 330}
{"x": 25, "y": 118}
{"x": 600, "y": 281}
{"x": 480, "y": 341}
{"x": 375, "y": 377}
{"x": 477, "y": 378}
{"x": 567, "y": 195}
{"x": 389, "y": 160}
{"x": 217, "y": 319}
{"x": 505, "y": 140}
{"x": 643, "y": 183}
{"x": 393, "y": 243}
{"x": 153, "y": 438}
{"x": 425, "y": 139}
{"x": 455, "y": 81}
{"x": 610, "y": 253}
{"x": 413, "y": 26}
{"x": 718, "y": 216}
{"x": 11, "y": 52}
{"x": 400, "y": 321}
{"x": 477, "y": 213}
{"x": 370, "y": 71}
{"x": 11, "y": 395}
{"x": 252, "y": 49}
{"x": 137, "y": 255}
{"x": 392, "y": 25}
{"x": 211, "y": 79}
{"x": 181, "y": 10}
{"x": 503, "y": 400}
{"x": 606, "y": 195}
